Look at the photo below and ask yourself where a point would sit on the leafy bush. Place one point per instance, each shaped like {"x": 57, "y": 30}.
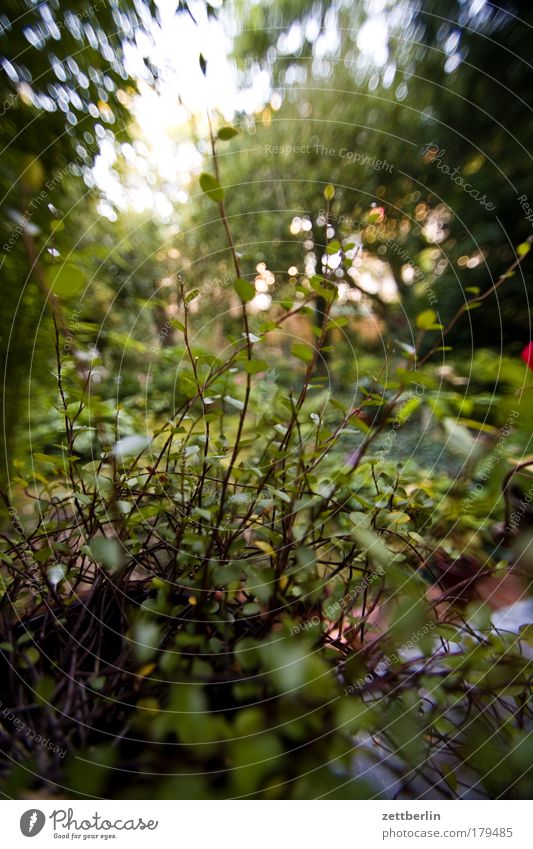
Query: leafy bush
{"x": 242, "y": 600}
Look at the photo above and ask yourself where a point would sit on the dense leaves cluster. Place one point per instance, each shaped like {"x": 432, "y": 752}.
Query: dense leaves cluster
{"x": 235, "y": 602}
{"x": 246, "y": 552}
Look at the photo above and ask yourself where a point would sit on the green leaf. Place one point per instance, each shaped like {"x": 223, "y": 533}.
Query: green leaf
{"x": 426, "y": 319}
{"x": 523, "y": 249}
{"x": 190, "y": 296}
{"x": 338, "y": 405}
{"x": 398, "y": 518}
{"x": 329, "y": 192}
{"x": 316, "y": 283}
{"x": 108, "y": 552}
{"x": 335, "y": 323}
{"x": 201, "y": 513}
{"x": 145, "y": 638}
{"x": 407, "y": 409}
{"x": 483, "y": 426}
{"x": 234, "y": 402}
{"x": 65, "y": 279}
{"x": 305, "y": 556}
{"x": 303, "y": 352}
{"x": 227, "y": 133}
{"x": 255, "y": 366}
{"x": 370, "y": 542}
{"x": 224, "y": 575}
{"x": 359, "y": 424}
{"x": 211, "y": 187}
{"x": 56, "y": 574}
{"x": 460, "y": 440}
{"x": 52, "y": 459}
{"x": 244, "y": 289}
{"x": 281, "y": 495}
{"x": 129, "y": 446}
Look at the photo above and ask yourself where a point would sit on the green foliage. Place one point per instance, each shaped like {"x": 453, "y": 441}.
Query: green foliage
{"x": 213, "y": 555}
{"x": 212, "y": 188}
{"x": 227, "y": 133}
{"x": 244, "y": 289}
{"x": 232, "y": 570}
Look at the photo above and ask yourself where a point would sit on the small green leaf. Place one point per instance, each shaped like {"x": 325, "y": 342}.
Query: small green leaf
{"x": 303, "y": 352}
{"x": 145, "y": 638}
{"x": 305, "y": 556}
{"x": 281, "y": 495}
{"x": 64, "y": 279}
{"x": 201, "y": 513}
{"x": 360, "y": 424}
{"x": 407, "y": 409}
{"x": 191, "y": 451}
{"x": 329, "y": 192}
{"x": 108, "y": 552}
{"x": 190, "y": 296}
{"x": 227, "y": 133}
{"x": 335, "y": 323}
{"x": 56, "y": 574}
{"x": 211, "y": 187}
{"x": 398, "y": 518}
{"x": 244, "y": 289}
{"x": 255, "y": 366}
{"x": 234, "y": 402}
{"x": 52, "y": 459}
{"x": 129, "y": 446}
{"x": 523, "y": 249}
{"x": 426, "y": 319}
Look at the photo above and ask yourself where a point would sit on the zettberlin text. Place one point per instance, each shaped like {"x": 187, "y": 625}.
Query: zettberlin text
{"x": 407, "y": 815}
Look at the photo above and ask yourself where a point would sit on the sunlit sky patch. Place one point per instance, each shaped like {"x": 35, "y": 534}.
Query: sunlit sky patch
{"x": 162, "y": 151}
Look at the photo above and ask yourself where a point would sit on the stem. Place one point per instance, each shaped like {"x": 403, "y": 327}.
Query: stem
{"x": 236, "y": 263}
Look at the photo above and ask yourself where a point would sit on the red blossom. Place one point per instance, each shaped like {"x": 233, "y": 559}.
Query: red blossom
{"x": 527, "y": 355}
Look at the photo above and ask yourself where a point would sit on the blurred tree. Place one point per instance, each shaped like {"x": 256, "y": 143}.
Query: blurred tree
{"x": 422, "y": 114}
{"x": 68, "y": 75}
